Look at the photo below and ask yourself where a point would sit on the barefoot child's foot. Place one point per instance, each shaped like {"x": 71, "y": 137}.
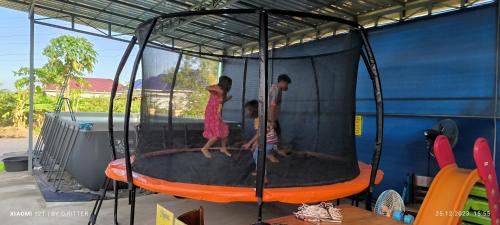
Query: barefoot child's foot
{"x": 282, "y": 152}
{"x": 272, "y": 158}
{"x": 225, "y": 151}
{"x": 206, "y": 153}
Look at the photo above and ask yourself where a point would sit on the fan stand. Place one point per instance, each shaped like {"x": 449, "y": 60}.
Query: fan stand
{"x": 430, "y": 137}
{"x": 428, "y": 146}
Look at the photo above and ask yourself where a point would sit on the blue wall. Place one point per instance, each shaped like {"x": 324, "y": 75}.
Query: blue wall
{"x": 432, "y": 68}
{"x": 442, "y": 66}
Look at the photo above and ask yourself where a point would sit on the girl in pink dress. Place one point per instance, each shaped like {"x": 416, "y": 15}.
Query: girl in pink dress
{"x": 215, "y": 128}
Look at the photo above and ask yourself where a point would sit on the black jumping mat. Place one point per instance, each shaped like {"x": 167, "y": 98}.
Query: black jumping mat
{"x": 295, "y": 169}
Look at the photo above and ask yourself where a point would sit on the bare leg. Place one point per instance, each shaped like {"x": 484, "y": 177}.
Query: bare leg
{"x": 223, "y": 148}
{"x": 272, "y": 158}
{"x": 281, "y": 151}
{"x": 205, "y": 149}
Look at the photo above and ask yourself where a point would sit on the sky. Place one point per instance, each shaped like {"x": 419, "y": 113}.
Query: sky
{"x": 15, "y": 48}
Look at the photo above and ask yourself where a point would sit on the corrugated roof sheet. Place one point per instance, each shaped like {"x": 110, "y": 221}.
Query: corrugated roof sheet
{"x": 230, "y": 33}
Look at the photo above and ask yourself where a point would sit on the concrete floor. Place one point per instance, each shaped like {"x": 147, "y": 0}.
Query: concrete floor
{"x": 22, "y": 203}
{"x": 11, "y": 146}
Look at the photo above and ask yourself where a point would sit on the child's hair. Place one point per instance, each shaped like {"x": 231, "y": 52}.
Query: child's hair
{"x": 225, "y": 83}
{"x": 284, "y": 77}
{"x": 253, "y": 107}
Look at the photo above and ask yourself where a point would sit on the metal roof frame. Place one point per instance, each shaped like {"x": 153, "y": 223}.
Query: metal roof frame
{"x": 115, "y": 19}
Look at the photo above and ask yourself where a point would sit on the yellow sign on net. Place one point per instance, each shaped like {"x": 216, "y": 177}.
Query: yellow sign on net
{"x": 358, "y": 125}
{"x": 165, "y": 217}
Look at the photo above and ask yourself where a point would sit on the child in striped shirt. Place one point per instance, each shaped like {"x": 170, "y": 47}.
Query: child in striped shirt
{"x": 252, "y": 111}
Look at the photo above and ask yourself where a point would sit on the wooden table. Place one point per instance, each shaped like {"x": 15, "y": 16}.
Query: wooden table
{"x": 351, "y": 216}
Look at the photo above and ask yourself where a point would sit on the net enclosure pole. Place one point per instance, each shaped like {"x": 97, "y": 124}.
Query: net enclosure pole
{"x": 114, "y": 89}
{"x": 129, "y": 103}
{"x": 243, "y": 93}
{"x": 263, "y": 98}
{"x": 371, "y": 65}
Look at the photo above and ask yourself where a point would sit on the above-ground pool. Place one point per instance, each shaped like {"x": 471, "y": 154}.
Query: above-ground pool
{"x": 82, "y": 148}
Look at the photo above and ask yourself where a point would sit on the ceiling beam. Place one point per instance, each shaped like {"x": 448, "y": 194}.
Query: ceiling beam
{"x": 199, "y": 24}
{"x": 214, "y": 27}
{"x": 135, "y": 6}
{"x": 99, "y": 20}
{"x": 302, "y": 22}
{"x": 144, "y": 12}
{"x": 202, "y": 5}
{"x": 99, "y": 10}
{"x": 338, "y": 10}
{"x": 399, "y": 2}
{"x": 170, "y": 28}
{"x": 60, "y": 11}
{"x": 397, "y": 9}
{"x": 206, "y": 36}
{"x": 184, "y": 4}
{"x": 251, "y": 24}
{"x": 192, "y": 42}
{"x": 81, "y": 31}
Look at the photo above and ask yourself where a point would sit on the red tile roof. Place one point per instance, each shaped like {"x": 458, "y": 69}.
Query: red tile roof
{"x": 91, "y": 85}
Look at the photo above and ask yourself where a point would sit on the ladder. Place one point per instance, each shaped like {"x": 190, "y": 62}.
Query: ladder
{"x": 61, "y": 99}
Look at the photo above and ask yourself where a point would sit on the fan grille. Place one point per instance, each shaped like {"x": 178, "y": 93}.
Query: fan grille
{"x": 388, "y": 202}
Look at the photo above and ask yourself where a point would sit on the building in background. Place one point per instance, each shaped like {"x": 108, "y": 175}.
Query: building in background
{"x": 91, "y": 88}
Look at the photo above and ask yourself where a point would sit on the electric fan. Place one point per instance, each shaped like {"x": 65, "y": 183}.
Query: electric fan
{"x": 446, "y": 127}
{"x": 388, "y": 202}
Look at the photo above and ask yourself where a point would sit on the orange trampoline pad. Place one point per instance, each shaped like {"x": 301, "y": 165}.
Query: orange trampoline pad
{"x": 222, "y": 194}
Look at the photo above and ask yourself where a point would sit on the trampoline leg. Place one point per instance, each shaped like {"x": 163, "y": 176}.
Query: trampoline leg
{"x": 368, "y": 201}
{"x": 115, "y": 207}
{"x": 259, "y": 216}
{"x": 98, "y": 203}
{"x": 129, "y": 197}
{"x": 132, "y": 205}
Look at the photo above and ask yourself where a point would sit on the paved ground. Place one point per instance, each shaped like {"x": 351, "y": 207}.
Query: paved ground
{"x": 22, "y": 204}
{"x": 9, "y": 145}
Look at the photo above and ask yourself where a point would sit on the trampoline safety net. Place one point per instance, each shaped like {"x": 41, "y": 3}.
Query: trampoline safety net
{"x": 316, "y": 116}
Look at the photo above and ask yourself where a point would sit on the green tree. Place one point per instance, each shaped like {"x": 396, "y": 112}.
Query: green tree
{"x": 192, "y": 78}
{"x": 66, "y": 56}
{"x": 42, "y": 104}
{"x": 8, "y": 103}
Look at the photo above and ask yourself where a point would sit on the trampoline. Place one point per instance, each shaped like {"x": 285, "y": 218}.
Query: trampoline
{"x": 225, "y": 194}
{"x": 315, "y": 159}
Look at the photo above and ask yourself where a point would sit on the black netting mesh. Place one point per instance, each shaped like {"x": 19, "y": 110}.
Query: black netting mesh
{"x": 316, "y": 118}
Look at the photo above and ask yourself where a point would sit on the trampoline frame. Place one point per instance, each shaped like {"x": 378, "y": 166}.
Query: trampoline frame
{"x": 366, "y": 54}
